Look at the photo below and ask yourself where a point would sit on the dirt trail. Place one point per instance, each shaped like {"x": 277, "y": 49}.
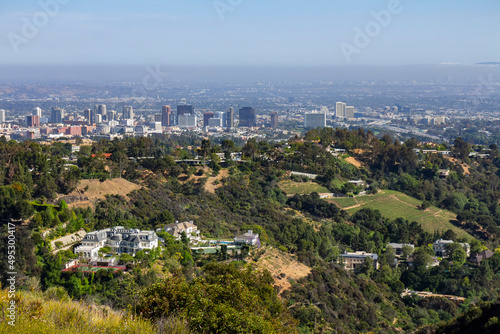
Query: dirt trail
{"x": 400, "y": 200}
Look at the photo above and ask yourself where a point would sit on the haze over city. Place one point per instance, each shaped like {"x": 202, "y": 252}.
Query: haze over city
{"x": 244, "y": 32}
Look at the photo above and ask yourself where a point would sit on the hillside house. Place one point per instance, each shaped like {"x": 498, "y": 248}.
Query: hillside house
{"x": 176, "y": 229}
{"x": 439, "y": 247}
{"x": 119, "y": 239}
{"x": 353, "y": 261}
{"x": 443, "y": 173}
{"x": 479, "y": 257}
{"x": 398, "y": 248}
{"x": 249, "y": 238}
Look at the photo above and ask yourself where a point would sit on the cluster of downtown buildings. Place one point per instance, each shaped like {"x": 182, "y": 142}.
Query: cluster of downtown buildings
{"x": 99, "y": 121}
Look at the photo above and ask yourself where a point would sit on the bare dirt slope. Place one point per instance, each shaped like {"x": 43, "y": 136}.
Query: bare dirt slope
{"x": 457, "y": 162}
{"x": 282, "y": 266}
{"x": 97, "y": 190}
{"x": 210, "y": 186}
{"x": 354, "y": 162}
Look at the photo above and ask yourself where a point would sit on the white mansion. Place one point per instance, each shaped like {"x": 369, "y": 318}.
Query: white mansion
{"x": 119, "y": 239}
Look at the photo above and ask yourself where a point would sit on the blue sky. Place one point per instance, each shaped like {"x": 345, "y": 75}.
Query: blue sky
{"x": 252, "y": 32}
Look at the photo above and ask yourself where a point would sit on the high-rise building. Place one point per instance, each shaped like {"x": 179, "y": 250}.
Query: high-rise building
{"x": 33, "y": 121}
{"x": 223, "y": 116}
{"x": 57, "y": 115}
{"x": 185, "y": 109}
{"x": 349, "y": 112}
{"x": 101, "y": 109}
{"x": 128, "y": 112}
{"x": 98, "y": 118}
{"x": 274, "y": 120}
{"x": 89, "y": 115}
{"x": 206, "y": 118}
{"x": 215, "y": 122}
{"x": 340, "y": 110}
{"x": 248, "y": 117}
{"x": 187, "y": 121}
{"x": 230, "y": 118}
{"x": 158, "y": 118}
{"x": 314, "y": 120}
{"x": 166, "y": 116}
{"x": 2, "y": 116}
{"x": 111, "y": 116}
{"x": 37, "y": 112}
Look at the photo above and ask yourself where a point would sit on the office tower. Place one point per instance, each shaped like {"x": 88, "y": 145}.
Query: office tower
{"x": 349, "y": 112}
{"x": 57, "y": 115}
{"x": 128, "y": 112}
{"x": 274, "y": 120}
{"x": 223, "y": 116}
{"x": 187, "y": 121}
{"x": 157, "y": 118}
{"x": 101, "y": 109}
{"x": 185, "y": 110}
{"x": 206, "y": 118}
{"x": 111, "y": 116}
{"x": 230, "y": 118}
{"x": 33, "y": 121}
{"x": 166, "y": 116}
{"x": 89, "y": 115}
{"x": 98, "y": 118}
{"x": 215, "y": 122}
{"x": 247, "y": 117}
{"x": 37, "y": 112}
{"x": 340, "y": 108}
{"x": 2, "y": 116}
{"x": 314, "y": 120}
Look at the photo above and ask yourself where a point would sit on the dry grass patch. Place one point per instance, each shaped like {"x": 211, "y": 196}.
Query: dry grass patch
{"x": 282, "y": 266}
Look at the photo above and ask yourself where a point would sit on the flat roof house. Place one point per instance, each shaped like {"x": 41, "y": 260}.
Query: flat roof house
{"x": 355, "y": 260}
{"x": 249, "y": 238}
{"x": 398, "y": 248}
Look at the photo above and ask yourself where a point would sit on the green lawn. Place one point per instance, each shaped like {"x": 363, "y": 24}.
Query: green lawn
{"x": 302, "y": 188}
{"x": 393, "y": 204}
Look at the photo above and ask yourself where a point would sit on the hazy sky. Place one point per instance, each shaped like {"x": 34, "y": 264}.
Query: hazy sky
{"x": 250, "y": 32}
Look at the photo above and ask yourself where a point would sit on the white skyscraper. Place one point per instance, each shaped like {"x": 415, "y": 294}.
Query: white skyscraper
{"x": 128, "y": 112}
{"x": 2, "y": 116}
{"x": 349, "y": 112}
{"x": 340, "y": 108}
{"x": 37, "y": 112}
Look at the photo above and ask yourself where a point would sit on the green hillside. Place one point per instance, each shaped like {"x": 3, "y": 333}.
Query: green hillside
{"x": 393, "y": 204}
{"x": 302, "y": 188}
